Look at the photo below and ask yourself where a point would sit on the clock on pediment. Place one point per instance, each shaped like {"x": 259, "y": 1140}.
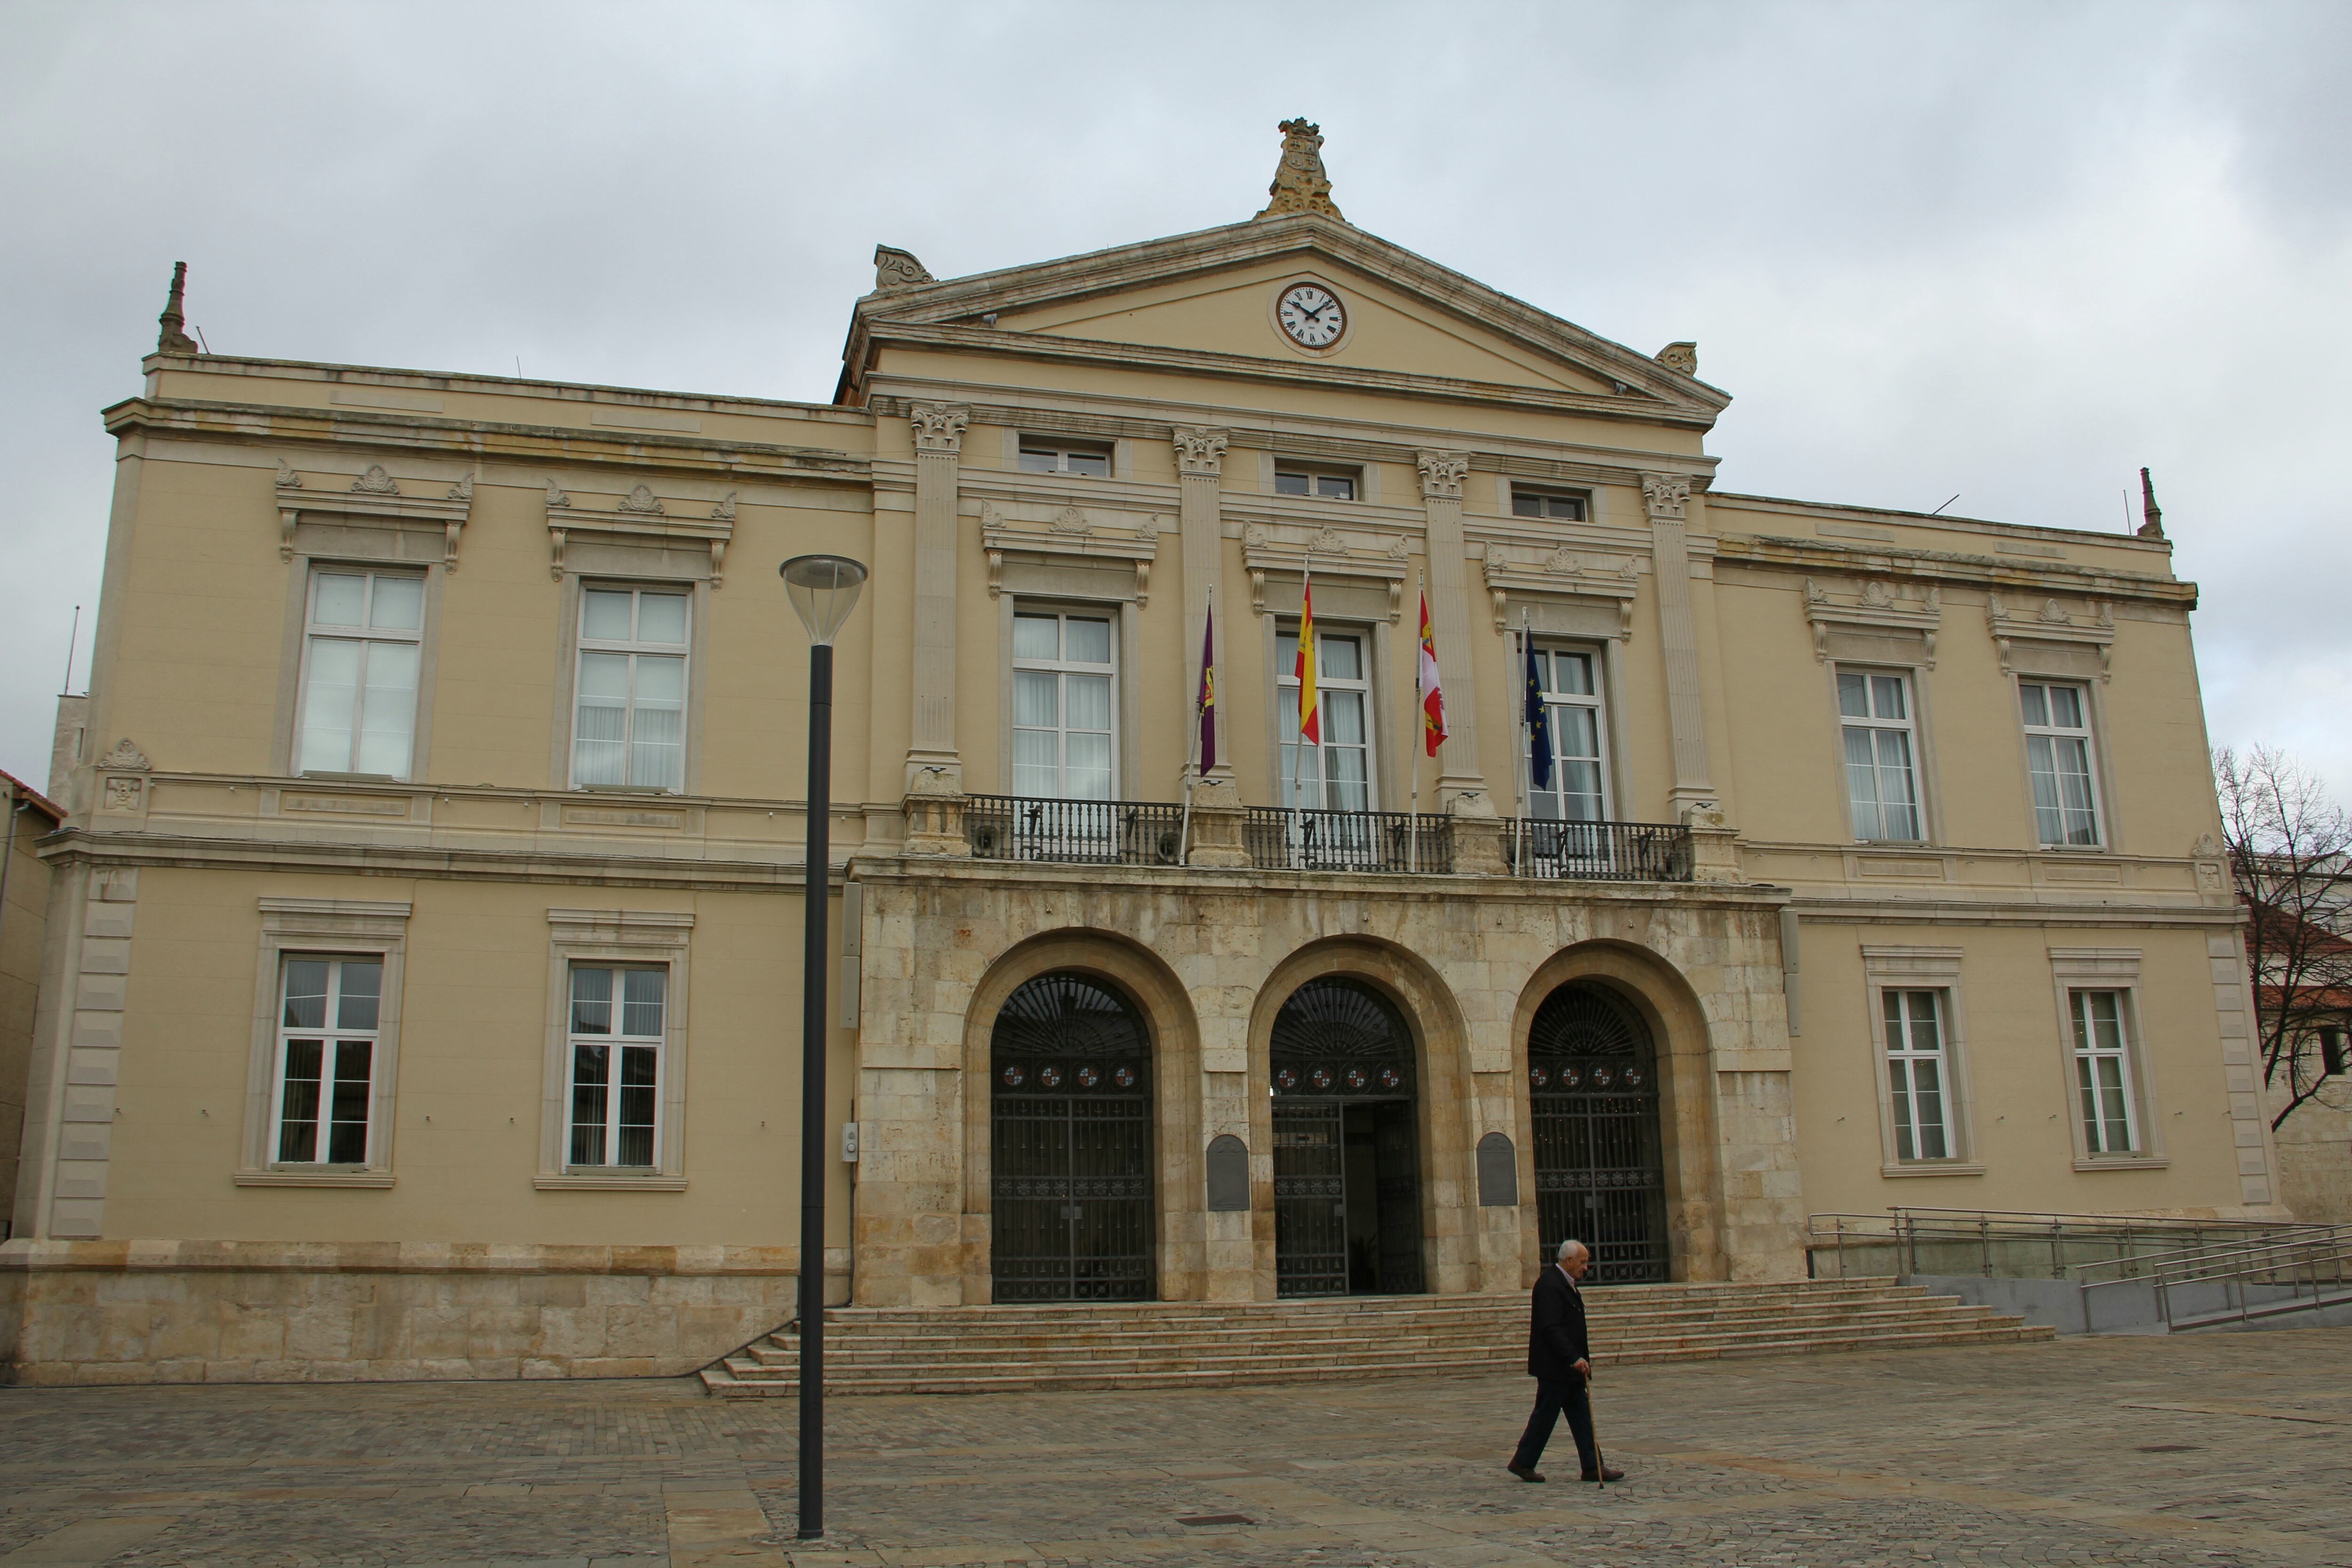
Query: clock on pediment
{"x": 1311, "y": 315}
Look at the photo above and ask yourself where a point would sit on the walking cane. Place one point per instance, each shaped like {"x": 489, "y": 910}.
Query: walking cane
{"x": 1600, "y": 1460}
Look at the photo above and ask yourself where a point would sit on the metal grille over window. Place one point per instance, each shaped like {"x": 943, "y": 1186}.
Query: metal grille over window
{"x": 616, "y": 1049}
{"x": 2058, "y": 759}
{"x": 1917, "y": 1077}
{"x": 1875, "y": 711}
{"x": 629, "y": 726}
{"x": 1599, "y": 1160}
{"x": 328, "y": 1018}
{"x": 1346, "y": 1169}
{"x": 362, "y": 643}
{"x": 1071, "y": 1214}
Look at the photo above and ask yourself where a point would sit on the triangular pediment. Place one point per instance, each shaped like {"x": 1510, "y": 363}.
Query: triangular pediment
{"x": 1207, "y": 301}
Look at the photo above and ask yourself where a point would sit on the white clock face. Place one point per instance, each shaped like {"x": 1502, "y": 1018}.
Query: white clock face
{"x": 1312, "y": 316}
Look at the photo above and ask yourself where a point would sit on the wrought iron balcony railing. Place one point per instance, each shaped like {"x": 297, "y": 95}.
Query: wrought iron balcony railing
{"x": 1286, "y": 839}
{"x": 1599, "y": 851}
{"x": 1087, "y": 832}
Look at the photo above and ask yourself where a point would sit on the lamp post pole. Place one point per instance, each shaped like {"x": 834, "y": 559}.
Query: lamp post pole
{"x": 813, "y": 1108}
{"x": 824, "y": 590}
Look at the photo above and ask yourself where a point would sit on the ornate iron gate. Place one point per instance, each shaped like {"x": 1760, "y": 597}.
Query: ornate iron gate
{"x": 1071, "y": 1160}
{"x": 1600, "y": 1168}
{"x": 1342, "y": 1067}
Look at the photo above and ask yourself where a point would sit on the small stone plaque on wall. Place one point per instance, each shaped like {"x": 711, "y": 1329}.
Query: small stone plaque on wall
{"x": 1498, "y": 1173}
{"x": 1228, "y": 1173}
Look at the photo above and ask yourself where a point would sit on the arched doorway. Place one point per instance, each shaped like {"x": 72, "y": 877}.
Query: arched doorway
{"x": 1347, "y": 1161}
{"x": 1070, "y": 1112}
{"x": 1592, "y": 1080}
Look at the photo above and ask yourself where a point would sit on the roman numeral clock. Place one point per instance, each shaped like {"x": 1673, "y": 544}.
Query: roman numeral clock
{"x": 1311, "y": 315}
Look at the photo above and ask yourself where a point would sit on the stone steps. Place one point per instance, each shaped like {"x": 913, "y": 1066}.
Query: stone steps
{"x": 1180, "y": 1344}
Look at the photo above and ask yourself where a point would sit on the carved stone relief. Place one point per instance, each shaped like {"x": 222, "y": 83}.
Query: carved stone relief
{"x": 938, "y": 427}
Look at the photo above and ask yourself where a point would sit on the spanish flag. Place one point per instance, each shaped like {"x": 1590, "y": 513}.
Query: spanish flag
{"x": 1310, "y": 717}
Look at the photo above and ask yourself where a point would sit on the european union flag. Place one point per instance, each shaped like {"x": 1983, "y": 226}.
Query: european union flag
{"x": 1537, "y": 718}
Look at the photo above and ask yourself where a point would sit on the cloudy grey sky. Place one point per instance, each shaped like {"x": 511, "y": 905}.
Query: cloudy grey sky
{"x": 2010, "y": 250}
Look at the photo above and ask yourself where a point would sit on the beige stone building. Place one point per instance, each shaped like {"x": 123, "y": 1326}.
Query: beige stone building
{"x": 424, "y": 998}
{"x": 29, "y": 816}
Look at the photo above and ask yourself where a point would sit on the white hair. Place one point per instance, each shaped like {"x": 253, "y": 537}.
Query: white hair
{"x": 1570, "y": 1245}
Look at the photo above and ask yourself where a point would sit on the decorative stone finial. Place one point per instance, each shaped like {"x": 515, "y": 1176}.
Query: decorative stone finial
{"x": 1300, "y": 184}
{"x": 1682, "y": 357}
{"x": 2154, "y": 527}
{"x": 895, "y": 268}
{"x": 173, "y": 339}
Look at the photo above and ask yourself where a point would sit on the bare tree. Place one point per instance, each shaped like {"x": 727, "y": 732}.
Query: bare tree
{"x": 2290, "y": 849}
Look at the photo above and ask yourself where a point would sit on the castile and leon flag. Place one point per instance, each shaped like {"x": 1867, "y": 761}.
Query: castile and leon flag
{"x": 1432, "y": 698}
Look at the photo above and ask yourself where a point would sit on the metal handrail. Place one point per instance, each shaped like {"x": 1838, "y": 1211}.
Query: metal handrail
{"x": 1553, "y": 849}
{"x": 1082, "y": 832}
{"x": 1907, "y": 1230}
{"x": 1299, "y": 839}
{"x": 2291, "y": 1261}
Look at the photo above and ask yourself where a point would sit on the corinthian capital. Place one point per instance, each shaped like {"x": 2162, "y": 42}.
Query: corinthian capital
{"x": 1198, "y": 453}
{"x": 1665, "y": 495}
{"x": 1441, "y": 474}
{"x": 938, "y": 427}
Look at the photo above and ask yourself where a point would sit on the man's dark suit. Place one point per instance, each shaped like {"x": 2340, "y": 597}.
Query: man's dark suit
{"x": 1556, "y": 1342}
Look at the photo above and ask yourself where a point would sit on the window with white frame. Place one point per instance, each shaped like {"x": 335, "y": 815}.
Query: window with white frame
{"x": 1919, "y": 1076}
{"x": 330, "y": 1010}
{"x": 616, "y": 1051}
{"x": 362, "y": 645}
{"x": 1336, "y": 775}
{"x": 1065, "y": 702}
{"x": 1558, "y": 505}
{"x": 2103, "y": 1074}
{"x": 1326, "y": 484}
{"x": 1047, "y": 456}
{"x": 1579, "y": 790}
{"x": 1882, "y": 786}
{"x": 2058, "y": 757}
{"x": 628, "y": 727}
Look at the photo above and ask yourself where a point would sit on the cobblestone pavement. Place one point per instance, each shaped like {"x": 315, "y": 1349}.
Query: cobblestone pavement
{"x": 2220, "y": 1450}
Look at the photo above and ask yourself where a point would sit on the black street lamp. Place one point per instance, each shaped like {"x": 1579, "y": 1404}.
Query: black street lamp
{"x": 824, "y": 590}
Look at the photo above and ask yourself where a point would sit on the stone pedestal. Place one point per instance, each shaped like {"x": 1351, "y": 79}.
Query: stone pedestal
{"x": 1479, "y": 838}
{"x": 934, "y": 808}
{"x": 1715, "y": 844}
{"x": 1217, "y": 818}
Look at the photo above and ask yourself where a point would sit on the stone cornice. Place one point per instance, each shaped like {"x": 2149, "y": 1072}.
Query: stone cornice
{"x": 1887, "y": 560}
{"x": 279, "y": 426}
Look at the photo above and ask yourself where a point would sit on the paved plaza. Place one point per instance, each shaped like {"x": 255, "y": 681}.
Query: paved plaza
{"x": 2223, "y": 1449}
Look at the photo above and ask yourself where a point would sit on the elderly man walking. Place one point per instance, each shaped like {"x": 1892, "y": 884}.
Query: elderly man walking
{"x": 1559, "y": 1359}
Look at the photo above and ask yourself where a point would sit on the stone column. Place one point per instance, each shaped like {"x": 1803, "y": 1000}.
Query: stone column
{"x": 1667, "y": 497}
{"x": 1217, "y": 798}
{"x": 1461, "y": 782}
{"x": 934, "y": 766}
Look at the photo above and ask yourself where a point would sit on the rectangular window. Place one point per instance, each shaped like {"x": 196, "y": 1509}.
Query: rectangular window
{"x": 1336, "y": 775}
{"x": 1558, "y": 505}
{"x": 617, "y": 1034}
{"x": 2103, "y": 1072}
{"x": 1579, "y": 788}
{"x": 1328, "y": 484}
{"x": 329, "y": 1010}
{"x": 2334, "y": 1056}
{"x": 1875, "y": 718}
{"x": 362, "y": 643}
{"x": 2058, "y": 757}
{"x": 1917, "y": 1073}
{"x": 629, "y": 725}
{"x": 1052, "y": 456}
{"x": 1063, "y": 702}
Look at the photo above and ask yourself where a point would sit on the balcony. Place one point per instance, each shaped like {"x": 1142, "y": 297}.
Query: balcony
{"x": 1081, "y": 832}
{"x": 1549, "y": 849}
{"x": 1285, "y": 840}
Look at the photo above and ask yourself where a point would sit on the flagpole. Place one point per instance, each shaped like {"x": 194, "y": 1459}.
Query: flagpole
{"x": 1192, "y": 752}
{"x": 1520, "y": 763}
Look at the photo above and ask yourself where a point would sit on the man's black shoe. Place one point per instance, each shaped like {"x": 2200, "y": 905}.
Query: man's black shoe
{"x": 1526, "y": 1472}
{"x": 1606, "y": 1475}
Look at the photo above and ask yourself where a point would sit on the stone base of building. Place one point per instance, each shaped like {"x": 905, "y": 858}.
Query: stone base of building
{"x": 244, "y": 1311}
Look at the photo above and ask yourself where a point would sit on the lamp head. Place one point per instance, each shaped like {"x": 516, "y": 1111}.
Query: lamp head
{"x": 824, "y": 590}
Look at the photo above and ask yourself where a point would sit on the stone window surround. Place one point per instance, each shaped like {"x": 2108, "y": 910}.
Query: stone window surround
{"x": 570, "y": 599}
{"x": 309, "y": 558}
{"x": 2069, "y": 665}
{"x": 2113, "y": 969}
{"x": 1923, "y": 757}
{"x": 1907, "y": 968}
{"x": 644, "y": 937}
{"x": 342, "y": 927}
{"x": 1126, "y": 704}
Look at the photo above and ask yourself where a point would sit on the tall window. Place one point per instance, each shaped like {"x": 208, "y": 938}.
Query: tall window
{"x": 1876, "y": 714}
{"x": 326, "y": 1023}
{"x": 1336, "y": 775}
{"x": 1578, "y": 791}
{"x": 630, "y": 725}
{"x": 1048, "y": 457}
{"x": 2058, "y": 756}
{"x": 1330, "y": 484}
{"x": 361, "y": 644}
{"x": 1062, "y": 706}
{"x": 2103, "y": 1072}
{"x": 1916, "y": 1073}
{"x": 617, "y": 1066}
{"x": 1547, "y": 503}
